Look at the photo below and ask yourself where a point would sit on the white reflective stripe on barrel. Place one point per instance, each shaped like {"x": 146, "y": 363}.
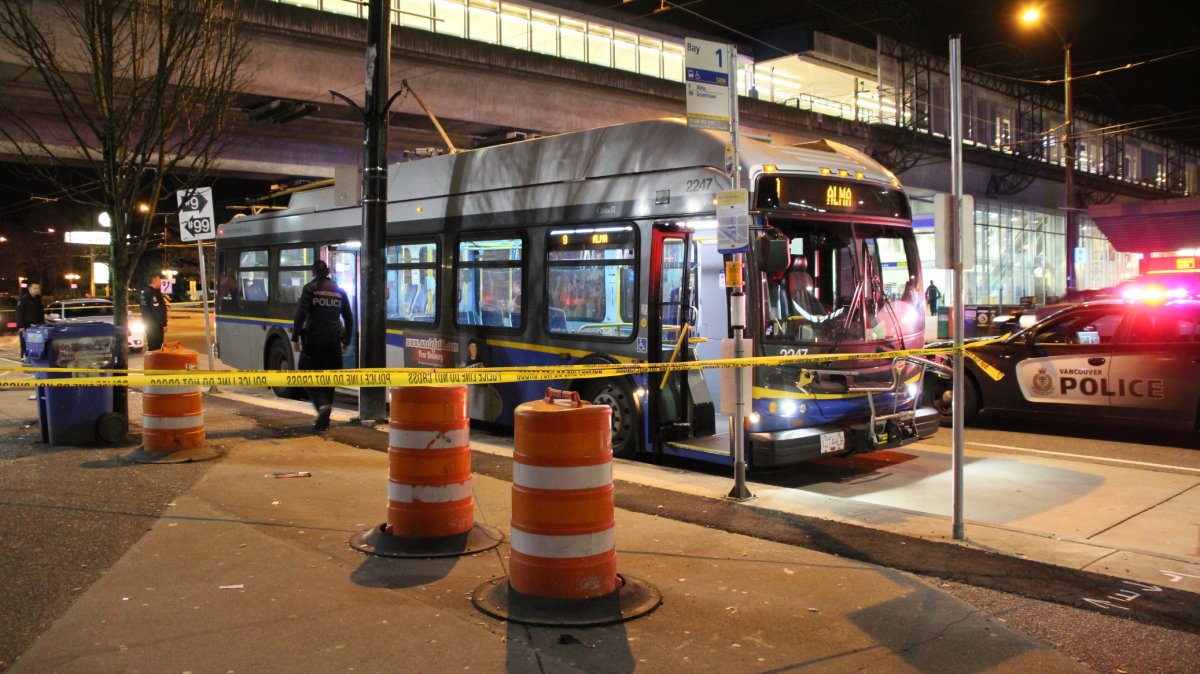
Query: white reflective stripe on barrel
{"x": 406, "y": 439}
{"x": 172, "y": 423}
{"x": 428, "y": 493}
{"x": 574, "y": 477}
{"x": 170, "y": 390}
{"x": 564, "y": 547}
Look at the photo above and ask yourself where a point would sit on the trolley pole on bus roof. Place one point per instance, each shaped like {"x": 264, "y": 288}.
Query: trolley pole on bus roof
{"x": 372, "y": 335}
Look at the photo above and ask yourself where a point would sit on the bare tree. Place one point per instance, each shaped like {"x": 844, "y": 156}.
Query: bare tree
{"x": 139, "y": 91}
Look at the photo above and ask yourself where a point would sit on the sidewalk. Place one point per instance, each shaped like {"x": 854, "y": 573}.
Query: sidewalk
{"x": 249, "y": 573}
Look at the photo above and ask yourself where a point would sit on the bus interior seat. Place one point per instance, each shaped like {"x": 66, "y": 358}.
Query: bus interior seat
{"x": 495, "y": 318}
{"x": 468, "y": 318}
{"x": 558, "y": 320}
{"x": 802, "y": 288}
{"x": 255, "y": 290}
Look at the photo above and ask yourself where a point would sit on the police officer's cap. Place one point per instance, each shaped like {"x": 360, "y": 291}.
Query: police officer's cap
{"x": 320, "y": 268}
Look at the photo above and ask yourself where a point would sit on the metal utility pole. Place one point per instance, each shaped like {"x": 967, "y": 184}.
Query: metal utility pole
{"x": 1072, "y": 222}
{"x": 372, "y": 335}
{"x": 956, "y": 258}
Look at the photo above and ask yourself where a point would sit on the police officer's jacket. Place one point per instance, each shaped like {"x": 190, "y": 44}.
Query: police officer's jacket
{"x": 323, "y": 307}
{"x": 154, "y": 307}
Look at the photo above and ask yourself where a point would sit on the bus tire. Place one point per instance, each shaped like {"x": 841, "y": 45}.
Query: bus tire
{"x": 625, "y": 417}
{"x": 279, "y": 359}
{"x": 939, "y": 394}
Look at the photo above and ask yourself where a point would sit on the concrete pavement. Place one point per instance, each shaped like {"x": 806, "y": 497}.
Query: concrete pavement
{"x": 245, "y": 572}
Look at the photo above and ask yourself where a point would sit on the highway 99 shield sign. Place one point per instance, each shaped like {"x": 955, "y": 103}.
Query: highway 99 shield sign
{"x": 196, "y": 220}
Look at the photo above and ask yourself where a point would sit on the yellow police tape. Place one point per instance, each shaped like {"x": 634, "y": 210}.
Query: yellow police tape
{"x": 442, "y": 376}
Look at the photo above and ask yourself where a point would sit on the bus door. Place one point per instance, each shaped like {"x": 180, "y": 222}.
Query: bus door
{"x": 680, "y": 405}
{"x": 343, "y": 268}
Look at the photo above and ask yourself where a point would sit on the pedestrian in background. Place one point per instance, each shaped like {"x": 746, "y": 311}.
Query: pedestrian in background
{"x": 932, "y": 297}
{"x": 154, "y": 313}
{"x": 30, "y": 312}
{"x": 319, "y": 335}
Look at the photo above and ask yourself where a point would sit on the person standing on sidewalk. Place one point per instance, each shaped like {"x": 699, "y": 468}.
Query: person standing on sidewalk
{"x": 30, "y": 312}
{"x": 154, "y": 313}
{"x": 320, "y": 337}
{"x": 932, "y": 297}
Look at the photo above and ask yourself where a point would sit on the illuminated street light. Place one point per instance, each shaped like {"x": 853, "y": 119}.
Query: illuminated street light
{"x": 104, "y": 220}
{"x": 1033, "y": 17}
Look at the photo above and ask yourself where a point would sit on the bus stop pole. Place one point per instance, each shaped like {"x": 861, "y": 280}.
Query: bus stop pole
{"x": 372, "y": 335}
{"x": 956, "y": 257}
{"x": 737, "y": 308}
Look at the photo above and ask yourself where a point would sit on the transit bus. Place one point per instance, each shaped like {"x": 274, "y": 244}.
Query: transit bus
{"x": 598, "y": 246}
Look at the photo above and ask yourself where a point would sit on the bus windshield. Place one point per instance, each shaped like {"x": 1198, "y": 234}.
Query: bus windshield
{"x": 844, "y": 283}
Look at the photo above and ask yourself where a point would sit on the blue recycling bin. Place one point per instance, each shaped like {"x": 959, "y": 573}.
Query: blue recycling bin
{"x": 75, "y": 415}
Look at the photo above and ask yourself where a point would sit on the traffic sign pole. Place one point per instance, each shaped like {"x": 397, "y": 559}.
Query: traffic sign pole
{"x": 198, "y": 223}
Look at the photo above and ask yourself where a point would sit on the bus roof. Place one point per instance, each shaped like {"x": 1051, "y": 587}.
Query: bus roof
{"x": 625, "y": 149}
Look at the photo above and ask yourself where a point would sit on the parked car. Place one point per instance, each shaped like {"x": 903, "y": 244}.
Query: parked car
{"x": 8, "y": 313}
{"x": 95, "y": 309}
{"x": 1107, "y": 360}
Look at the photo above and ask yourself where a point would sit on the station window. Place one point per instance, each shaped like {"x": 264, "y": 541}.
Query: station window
{"x": 489, "y": 282}
{"x": 543, "y": 32}
{"x": 416, "y": 14}
{"x": 451, "y": 17}
{"x": 590, "y": 281}
{"x": 412, "y": 282}
{"x": 514, "y": 26}
{"x": 295, "y": 269}
{"x": 482, "y": 19}
{"x": 252, "y": 275}
{"x": 599, "y": 45}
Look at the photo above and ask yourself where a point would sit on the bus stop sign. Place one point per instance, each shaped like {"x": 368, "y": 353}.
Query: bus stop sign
{"x": 196, "y": 221}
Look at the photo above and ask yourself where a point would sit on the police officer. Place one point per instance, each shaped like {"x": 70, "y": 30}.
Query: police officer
{"x": 30, "y": 312}
{"x": 319, "y": 335}
{"x": 154, "y": 313}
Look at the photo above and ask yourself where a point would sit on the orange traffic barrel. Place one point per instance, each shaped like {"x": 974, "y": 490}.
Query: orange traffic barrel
{"x": 172, "y": 416}
{"x": 563, "y": 566}
{"x": 429, "y": 462}
{"x": 563, "y": 526}
{"x": 431, "y": 509}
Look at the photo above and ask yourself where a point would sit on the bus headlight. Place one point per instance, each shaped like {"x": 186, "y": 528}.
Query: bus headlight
{"x": 791, "y": 408}
{"x": 753, "y": 417}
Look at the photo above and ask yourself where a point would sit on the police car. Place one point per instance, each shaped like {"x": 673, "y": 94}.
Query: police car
{"x": 96, "y": 309}
{"x": 1103, "y": 360}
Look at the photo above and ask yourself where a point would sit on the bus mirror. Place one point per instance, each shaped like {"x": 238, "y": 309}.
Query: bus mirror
{"x": 773, "y": 255}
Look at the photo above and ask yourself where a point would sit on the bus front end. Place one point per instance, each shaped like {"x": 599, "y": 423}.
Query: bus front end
{"x": 836, "y": 272}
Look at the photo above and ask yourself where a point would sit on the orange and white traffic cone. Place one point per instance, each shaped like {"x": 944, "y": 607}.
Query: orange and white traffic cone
{"x": 172, "y": 416}
{"x": 563, "y": 569}
{"x": 430, "y": 506}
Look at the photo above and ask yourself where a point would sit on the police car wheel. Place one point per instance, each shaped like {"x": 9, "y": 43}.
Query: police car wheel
{"x": 940, "y": 395}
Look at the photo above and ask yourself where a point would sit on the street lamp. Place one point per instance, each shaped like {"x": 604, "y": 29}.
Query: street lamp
{"x": 1033, "y": 16}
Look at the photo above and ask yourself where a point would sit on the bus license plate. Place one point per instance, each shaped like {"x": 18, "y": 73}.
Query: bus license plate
{"x": 833, "y": 442}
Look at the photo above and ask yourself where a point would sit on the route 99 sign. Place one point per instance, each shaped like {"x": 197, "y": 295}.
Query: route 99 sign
{"x": 196, "y": 220}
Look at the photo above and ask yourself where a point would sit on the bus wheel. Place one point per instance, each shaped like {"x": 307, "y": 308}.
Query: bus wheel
{"x": 625, "y": 416}
{"x": 279, "y": 359}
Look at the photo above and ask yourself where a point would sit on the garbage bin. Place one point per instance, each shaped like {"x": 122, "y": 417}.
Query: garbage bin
{"x": 943, "y": 323}
{"x": 76, "y": 415}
